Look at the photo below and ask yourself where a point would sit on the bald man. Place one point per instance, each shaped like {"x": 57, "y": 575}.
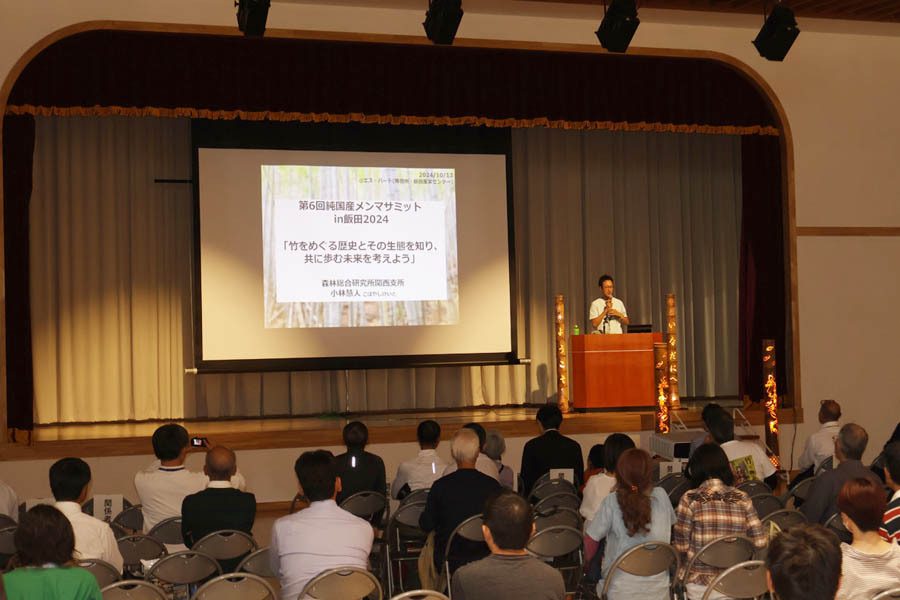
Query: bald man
{"x": 219, "y": 506}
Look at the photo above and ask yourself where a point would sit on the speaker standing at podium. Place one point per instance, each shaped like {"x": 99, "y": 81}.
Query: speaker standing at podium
{"x": 607, "y": 312}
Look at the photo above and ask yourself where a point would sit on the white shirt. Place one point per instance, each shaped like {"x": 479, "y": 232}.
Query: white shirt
{"x": 483, "y": 463}
{"x": 320, "y": 537}
{"x": 162, "y": 490}
{"x": 419, "y": 472}
{"x": 819, "y": 446}
{"x": 93, "y": 538}
{"x": 596, "y": 490}
{"x": 9, "y": 502}
{"x": 748, "y": 460}
{"x": 613, "y": 324}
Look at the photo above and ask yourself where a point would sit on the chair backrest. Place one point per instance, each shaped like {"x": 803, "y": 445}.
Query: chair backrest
{"x": 343, "y": 583}
{"x": 168, "y": 531}
{"x": 888, "y": 594}
{"x": 131, "y": 518}
{"x": 7, "y": 521}
{"x": 541, "y": 480}
{"x": 420, "y": 595}
{"x": 679, "y": 489}
{"x": 558, "y": 515}
{"x": 102, "y": 571}
{"x": 555, "y": 541}
{"x": 257, "y": 563}
{"x": 404, "y": 524}
{"x": 225, "y": 544}
{"x": 365, "y": 504}
{"x": 416, "y": 496}
{"x": 644, "y": 560}
{"x": 752, "y": 487}
{"x": 551, "y": 487}
{"x": 136, "y": 547}
{"x": 566, "y": 499}
{"x": 825, "y": 465}
{"x": 7, "y": 542}
{"x": 119, "y": 531}
{"x": 801, "y": 490}
{"x": 669, "y": 482}
{"x": 784, "y": 519}
{"x": 185, "y": 567}
{"x": 722, "y": 553}
{"x": 236, "y": 586}
{"x": 835, "y": 524}
{"x": 766, "y": 504}
{"x": 299, "y": 502}
{"x": 133, "y": 589}
{"x": 743, "y": 580}
{"x": 469, "y": 529}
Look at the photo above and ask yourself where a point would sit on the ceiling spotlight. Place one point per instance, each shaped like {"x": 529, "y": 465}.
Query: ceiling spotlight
{"x": 251, "y": 16}
{"x": 619, "y": 23}
{"x": 777, "y": 34}
{"x": 442, "y": 20}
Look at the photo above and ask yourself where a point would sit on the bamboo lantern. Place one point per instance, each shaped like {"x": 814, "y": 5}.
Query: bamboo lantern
{"x": 562, "y": 362}
{"x": 672, "y": 343}
{"x": 771, "y": 400}
{"x": 661, "y": 375}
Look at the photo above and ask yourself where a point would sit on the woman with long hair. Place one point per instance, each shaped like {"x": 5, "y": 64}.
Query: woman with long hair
{"x": 598, "y": 488}
{"x": 712, "y": 509}
{"x": 870, "y": 565}
{"x": 45, "y": 544}
{"x": 635, "y": 513}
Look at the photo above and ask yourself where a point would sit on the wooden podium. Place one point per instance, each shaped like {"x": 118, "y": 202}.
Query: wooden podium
{"x": 612, "y": 371}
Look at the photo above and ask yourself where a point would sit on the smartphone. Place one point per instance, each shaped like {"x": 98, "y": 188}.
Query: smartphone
{"x": 199, "y": 441}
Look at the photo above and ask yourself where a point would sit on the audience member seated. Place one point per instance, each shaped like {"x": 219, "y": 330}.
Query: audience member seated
{"x": 594, "y": 464}
{"x": 636, "y": 513}
{"x": 877, "y": 465}
{"x": 163, "y": 485}
{"x": 9, "y": 501}
{"x": 821, "y": 502}
{"x": 509, "y": 573}
{"x": 70, "y": 479}
{"x": 360, "y": 471}
{"x": 804, "y": 563}
{"x": 484, "y": 463}
{"x": 870, "y": 564}
{"x": 219, "y": 506}
{"x": 820, "y": 445}
{"x": 550, "y": 450}
{"x": 494, "y": 447}
{"x": 423, "y": 470}
{"x": 710, "y": 510}
{"x": 706, "y": 416}
{"x": 890, "y": 526}
{"x": 748, "y": 459}
{"x": 456, "y": 497}
{"x": 320, "y": 537}
{"x": 598, "y": 488}
{"x": 45, "y": 544}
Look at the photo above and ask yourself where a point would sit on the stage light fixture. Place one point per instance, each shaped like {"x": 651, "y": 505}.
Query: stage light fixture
{"x": 619, "y": 23}
{"x": 442, "y": 20}
{"x": 252, "y": 15}
{"x": 777, "y": 34}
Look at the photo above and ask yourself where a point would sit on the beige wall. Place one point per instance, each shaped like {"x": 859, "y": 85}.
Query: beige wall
{"x": 839, "y": 86}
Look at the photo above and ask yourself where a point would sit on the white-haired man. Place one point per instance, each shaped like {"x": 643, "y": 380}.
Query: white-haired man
{"x": 456, "y": 497}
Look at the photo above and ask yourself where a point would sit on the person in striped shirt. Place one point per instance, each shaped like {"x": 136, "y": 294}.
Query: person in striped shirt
{"x": 890, "y": 526}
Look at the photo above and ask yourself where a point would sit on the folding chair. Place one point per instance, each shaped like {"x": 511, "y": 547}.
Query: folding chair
{"x": 343, "y": 583}
{"x": 562, "y": 545}
{"x": 131, "y": 518}
{"x": 721, "y": 553}
{"x": 825, "y": 465}
{"x": 236, "y": 586}
{"x": 752, "y": 487}
{"x": 888, "y": 595}
{"x": 416, "y": 496}
{"x": 184, "y": 568}
{"x": 644, "y": 560}
{"x": 562, "y": 499}
{"x": 133, "y": 548}
{"x": 743, "y": 580}
{"x": 766, "y": 504}
{"x": 168, "y": 531}
{"x": 7, "y": 545}
{"x": 799, "y": 492}
{"x": 403, "y": 541}
{"x": 7, "y": 521}
{"x": 550, "y": 488}
{"x": 470, "y": 529}
{"x": 226, "y": 546}
{"x": 558, "y": 515}
{"x": 420, "y": 595}
{"x": 669, "y": 482}
{"x": 257, "y": 563}
{"x": 133, "y": 589}
{"x": 679, "y": 489}
{"x": 103, "y": 572}
{"x": 366, "y": 505}
{"x": 784, "y": 519}
{"x": 835, "y": 524}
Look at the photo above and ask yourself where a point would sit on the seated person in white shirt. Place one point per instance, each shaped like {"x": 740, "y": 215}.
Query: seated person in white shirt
{"x": 820, "y": 445}
{"x": 9, "y": 501}
{"x": 320, "y": 537}
{"x": 163, "y": 485}
{"x": 483, "y": 463}
{"x": 70, "y": 479}
{"x": 748, "y": 459}
{"x": 420, "y": 472}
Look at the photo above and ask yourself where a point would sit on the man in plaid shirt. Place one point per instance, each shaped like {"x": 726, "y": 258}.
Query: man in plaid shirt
{"x": 712, "y": 510}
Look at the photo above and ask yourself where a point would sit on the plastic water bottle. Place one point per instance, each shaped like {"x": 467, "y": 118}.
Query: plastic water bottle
{"x": 575, "y": 330}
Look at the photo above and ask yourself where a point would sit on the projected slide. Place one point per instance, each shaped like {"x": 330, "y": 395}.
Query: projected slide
{"x": 359, "y": 246}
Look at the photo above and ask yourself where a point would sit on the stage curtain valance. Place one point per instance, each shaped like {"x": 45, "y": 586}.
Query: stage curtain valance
{"x": 106, "y": 73}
